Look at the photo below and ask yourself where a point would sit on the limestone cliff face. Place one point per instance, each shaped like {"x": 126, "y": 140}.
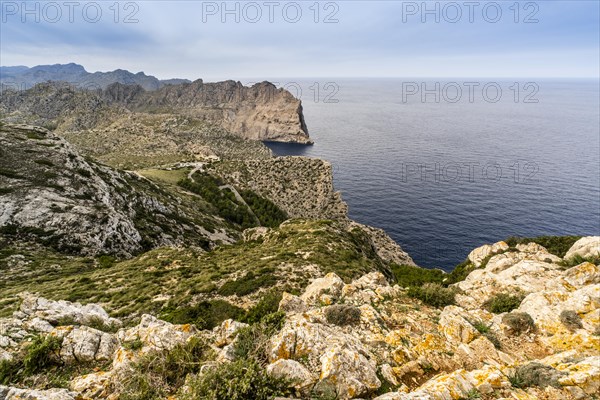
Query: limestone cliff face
{"x": 259, "y": 112}
{"x": 301, "y": 186}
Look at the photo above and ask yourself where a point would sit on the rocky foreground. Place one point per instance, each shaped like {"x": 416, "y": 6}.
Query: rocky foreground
{"x": 336, "y": 340}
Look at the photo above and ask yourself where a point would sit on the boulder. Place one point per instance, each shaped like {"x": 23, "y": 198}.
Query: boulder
{"x": 156, "y": 334}
{"x": 292, "y": 304}
{"x": 323, "y": 290}
{"x": 349, "y": 371}
{"x": 479, "y": 254}
{"x": 85, "y": 344}
{"x": 10, "y": 393}
{"x": 227, "y": 331}
{"x": 57, "y": 312}
{"x": 301, "y": 377}
{"x": 585, "y": 247}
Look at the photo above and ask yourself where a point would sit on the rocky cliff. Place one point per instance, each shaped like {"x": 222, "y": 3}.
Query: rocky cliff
{"x": 261, "y": 112}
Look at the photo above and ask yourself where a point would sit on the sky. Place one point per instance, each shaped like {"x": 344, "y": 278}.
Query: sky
{"x": 270, "y": 39}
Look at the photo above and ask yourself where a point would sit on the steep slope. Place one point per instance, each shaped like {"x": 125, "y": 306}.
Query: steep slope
{"x": 49, "y": 193}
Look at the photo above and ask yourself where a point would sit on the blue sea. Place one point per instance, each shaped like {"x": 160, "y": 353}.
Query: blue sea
{"x": 446, "y": 166}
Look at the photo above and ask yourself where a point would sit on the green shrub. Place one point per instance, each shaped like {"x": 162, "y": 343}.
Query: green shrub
{"x": 247, "y": 284}
{"x": 433, "y": 294}
{"x": 268, "y": 213}
{"x": 535, "y": 374}
{"x": 557, "y": 245}
{"x": 133, "y": 345}
{"x": 342, "y": 314}
{"x": 9, "y": 370}
{"x": 98, "y": 323}
{"x": 577, "y": 259}
{"x": 268, "y": 304}
{"x": 503, "y": 302}
{"x": 571, "y": 320}
{"x": 460, "y": 272}
{"x": 10, "y": 173}
{"x": 46, "y": 163}
{"x": 205, "y": 315}
{"x": 41, "y": 353}
{"x": 409, "y": 275}
{"x": 252, "y": 342}
{"x": 239, "y": 380}
{"x": 207, "y": 186}
{"x": 518, "y": 322}
{"x": 481, "y": 326}
{"x": 160, "y": 374}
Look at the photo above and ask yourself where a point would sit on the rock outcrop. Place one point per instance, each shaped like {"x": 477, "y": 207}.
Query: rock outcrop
{"x": 53, "y": 195}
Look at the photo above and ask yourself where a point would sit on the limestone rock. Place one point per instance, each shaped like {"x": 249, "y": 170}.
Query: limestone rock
{"x": 331, "y": 286}
{"x": 585, "y": 247}
{"x": 10, "y": 393}
{"x": 156, "y": 334}
{"x": 456, "y": 327}
{"x": 294, "y": 371}
{"x": 84, "y": 344}
{"x": 292, "y": 304}
{"x": 58, "y": 311}
{"x": 92, "y": 386}
{"x": 227, "y": 331}
{"x": 479, "y": 254}
{"x": 350, "y": 372}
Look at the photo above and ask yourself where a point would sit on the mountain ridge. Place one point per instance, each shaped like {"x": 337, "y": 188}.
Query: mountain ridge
{"x": 24, "y": 77}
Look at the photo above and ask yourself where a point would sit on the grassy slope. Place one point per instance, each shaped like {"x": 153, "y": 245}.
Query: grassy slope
{"x": 289, "y": 256}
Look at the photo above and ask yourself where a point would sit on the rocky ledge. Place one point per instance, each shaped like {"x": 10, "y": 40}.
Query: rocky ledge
{"x": 363, "y": 339}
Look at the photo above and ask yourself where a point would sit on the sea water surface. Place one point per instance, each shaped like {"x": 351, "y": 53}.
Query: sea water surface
{"x": 443, "y": 176}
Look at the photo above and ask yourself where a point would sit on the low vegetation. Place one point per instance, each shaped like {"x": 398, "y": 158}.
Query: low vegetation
{"x": 557, "y": 245}
{"x": 433, "y": 294}
{"x": 342, "y": 314}
{"x": 293, "y": 254}
{"x": 504, "y": 302}
{"x": 571, "y": 320}
{"x": 41, "y": 354}
{"x": 535, "y": 375}
{"x": 162, "y": 373}
{"x": 518, "y": 322}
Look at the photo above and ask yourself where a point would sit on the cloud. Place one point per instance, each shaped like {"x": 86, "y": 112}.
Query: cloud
{"x": 371, "y": 38}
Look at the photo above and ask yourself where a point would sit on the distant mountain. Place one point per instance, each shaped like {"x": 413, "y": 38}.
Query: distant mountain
{"x": 22, "y": 77}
